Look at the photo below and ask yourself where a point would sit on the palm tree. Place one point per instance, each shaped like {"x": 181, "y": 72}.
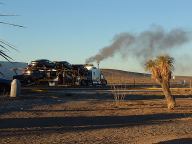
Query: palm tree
{"x": 161, "y": 69}
{"x": 5, "y": 46}
{"x": 1, "y": 74}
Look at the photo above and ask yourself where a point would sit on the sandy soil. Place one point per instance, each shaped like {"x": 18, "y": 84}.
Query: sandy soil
{"x": 54, "y": 116}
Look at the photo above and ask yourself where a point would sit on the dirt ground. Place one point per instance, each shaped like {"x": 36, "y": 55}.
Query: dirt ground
{"x": 86, "y": 116}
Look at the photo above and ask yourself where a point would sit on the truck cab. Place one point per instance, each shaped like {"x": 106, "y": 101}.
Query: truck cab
{"x": 95, "y": 76}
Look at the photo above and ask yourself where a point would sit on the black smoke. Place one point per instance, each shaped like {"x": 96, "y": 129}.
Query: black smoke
{"x": 144, "y": 45}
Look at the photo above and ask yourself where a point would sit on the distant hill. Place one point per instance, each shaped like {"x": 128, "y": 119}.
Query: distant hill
{"x": 120, "y": 76}
{"x": 109, "y": 72}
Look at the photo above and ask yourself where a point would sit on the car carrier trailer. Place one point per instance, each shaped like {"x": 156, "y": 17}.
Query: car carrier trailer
{"x": 61, "y": 73}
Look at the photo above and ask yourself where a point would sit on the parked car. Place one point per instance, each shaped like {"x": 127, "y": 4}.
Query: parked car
{"x": 31, "y": 76}
{"x": 5, "y": 85}
{"x": 80, "y": 69}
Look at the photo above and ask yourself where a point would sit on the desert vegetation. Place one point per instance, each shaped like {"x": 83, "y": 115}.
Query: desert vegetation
{"x": 4, "y": 45}
{"x": 161, "y": 69}
{"x": 130, "y": 109}
{"x": 119, "y": 93}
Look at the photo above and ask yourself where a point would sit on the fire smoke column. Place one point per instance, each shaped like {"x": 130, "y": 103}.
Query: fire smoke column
{"x": 120, "y": 41}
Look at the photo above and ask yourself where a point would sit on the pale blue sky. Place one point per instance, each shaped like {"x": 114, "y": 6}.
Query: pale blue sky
{"x": 74, "y": 30}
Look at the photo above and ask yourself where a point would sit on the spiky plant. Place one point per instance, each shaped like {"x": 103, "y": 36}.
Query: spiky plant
{"x": 5, "y": 46}
{"x": 161, "y": 70}
{"x": 1, "y": 74}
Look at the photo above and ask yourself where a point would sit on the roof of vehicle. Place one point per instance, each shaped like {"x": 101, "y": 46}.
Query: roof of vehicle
{"x": 4, "y": 81}
{"x": 61, "y": 62}
{"x": 40, "y": 60}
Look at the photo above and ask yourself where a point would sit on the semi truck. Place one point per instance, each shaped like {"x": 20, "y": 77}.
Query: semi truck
{"x": 61, "y": 73}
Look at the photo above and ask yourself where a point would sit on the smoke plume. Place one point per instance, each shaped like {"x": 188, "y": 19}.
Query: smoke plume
{"x": 144, "y": 45}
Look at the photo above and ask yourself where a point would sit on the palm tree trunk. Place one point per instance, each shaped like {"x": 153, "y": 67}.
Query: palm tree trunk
{"x": 170, "y": 98}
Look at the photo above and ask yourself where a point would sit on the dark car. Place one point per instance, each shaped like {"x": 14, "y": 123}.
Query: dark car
{"x": 5, "y": 85}
{"x": 62, "y": 65}
{"x": 80, "y": 69}
{"x": 31, "y": 76}
{"x": 42, "y": 63}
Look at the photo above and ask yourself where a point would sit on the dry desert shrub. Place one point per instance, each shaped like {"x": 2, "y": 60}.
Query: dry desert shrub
{"x": 118, "y": 92}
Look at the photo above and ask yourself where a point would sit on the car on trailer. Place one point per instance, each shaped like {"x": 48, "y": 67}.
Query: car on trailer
{"x": 41, "y": 64}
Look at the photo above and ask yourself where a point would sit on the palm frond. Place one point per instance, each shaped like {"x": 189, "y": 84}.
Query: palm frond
{"x": 5, "y": 56}
{"x": 4, "y": 44}
{"x": 1, "y": 72}
{"x": 8, "y": 15}
{"x": 11, "y": 24}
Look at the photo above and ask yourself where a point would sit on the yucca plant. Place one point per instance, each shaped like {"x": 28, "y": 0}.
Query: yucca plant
{"x": 161, "y": 70}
